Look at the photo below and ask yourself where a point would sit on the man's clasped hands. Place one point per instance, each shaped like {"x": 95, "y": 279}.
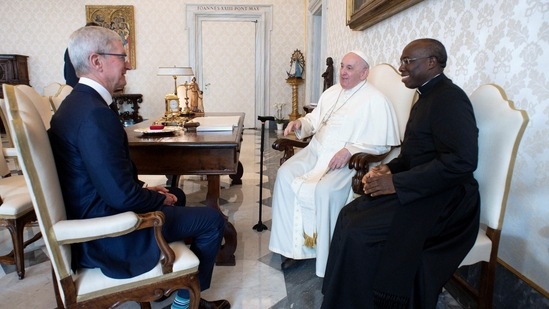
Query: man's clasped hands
{"x": 170, "y": 198}
{"x": 378, "y": 181}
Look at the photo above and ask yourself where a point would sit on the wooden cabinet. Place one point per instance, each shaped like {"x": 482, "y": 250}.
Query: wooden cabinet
{"x": 128, "y": 107}
{"x": 13, "y": 70}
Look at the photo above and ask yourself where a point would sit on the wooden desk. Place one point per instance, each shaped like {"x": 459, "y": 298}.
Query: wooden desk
{"x": 192, "y": 153}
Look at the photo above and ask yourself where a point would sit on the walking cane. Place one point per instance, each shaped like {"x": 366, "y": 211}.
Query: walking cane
{"x": 260, "y": 226}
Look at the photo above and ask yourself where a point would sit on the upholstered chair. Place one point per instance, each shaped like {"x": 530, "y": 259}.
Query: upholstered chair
{"x": 51, "y": 89}
{"x": 41, "y": 103}
{"x": 58, "y": 97}
{"x": 177, "y": 268}
{"x": 16, "y": 213}
{"x": 4, "y": 117}
{"x": 501, "y": 127}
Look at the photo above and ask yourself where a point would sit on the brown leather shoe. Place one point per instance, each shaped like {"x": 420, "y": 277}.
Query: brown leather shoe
{"x": 215, "y": 304}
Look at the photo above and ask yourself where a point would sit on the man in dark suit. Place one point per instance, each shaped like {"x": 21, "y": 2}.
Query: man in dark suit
{"x": 399, "y": 244}
{"x": 98, "y": 178}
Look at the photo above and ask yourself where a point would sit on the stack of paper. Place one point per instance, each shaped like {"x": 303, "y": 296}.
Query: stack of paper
{"x": 216, "y": 123}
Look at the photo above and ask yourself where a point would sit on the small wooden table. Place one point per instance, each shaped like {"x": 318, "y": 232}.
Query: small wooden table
{"x": 213, "y": 154}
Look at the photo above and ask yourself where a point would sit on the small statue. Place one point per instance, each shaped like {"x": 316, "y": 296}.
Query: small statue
{"x": 297, "y": 65}
{"x": 329, "y": 74}
{"x": 297, "y": 69}
{"x": 195, "y": 97}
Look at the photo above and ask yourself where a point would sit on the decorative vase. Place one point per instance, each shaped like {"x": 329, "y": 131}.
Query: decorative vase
{"x": 279, "y": 126}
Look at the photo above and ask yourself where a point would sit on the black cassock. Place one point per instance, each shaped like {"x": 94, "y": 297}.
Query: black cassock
{"x": 398, "y": 250}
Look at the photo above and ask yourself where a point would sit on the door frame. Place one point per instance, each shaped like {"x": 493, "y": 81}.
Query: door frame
{"x": 261, "y": 15}
{"x": 316, "y": 49}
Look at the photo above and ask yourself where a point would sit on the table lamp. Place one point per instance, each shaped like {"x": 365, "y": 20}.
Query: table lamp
{"x": 171, "y": 99}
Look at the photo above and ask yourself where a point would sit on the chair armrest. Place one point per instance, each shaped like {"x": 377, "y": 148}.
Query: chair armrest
{"x": 83, "y": 230}
{"x": 76, "y": 231}
{"x": 156, "y": 220}
{"x": 10, "y": 152}
{"x": 361, "y": 162}
{"x": 287, "y": 145}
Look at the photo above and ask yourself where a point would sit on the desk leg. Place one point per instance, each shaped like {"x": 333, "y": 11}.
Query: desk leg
{"x": 237, "y": 178}
{"x": 225, "y": 256}
{"x": 214, "y": 191}
{"x": 172, "y": 180}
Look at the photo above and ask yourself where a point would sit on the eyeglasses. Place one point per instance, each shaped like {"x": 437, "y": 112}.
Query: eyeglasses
{"x": 121, "y": 56}
{"x": 407, "y": 61}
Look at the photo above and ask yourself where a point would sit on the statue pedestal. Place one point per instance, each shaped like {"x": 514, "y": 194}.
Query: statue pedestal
{"x": 294, "y": 82}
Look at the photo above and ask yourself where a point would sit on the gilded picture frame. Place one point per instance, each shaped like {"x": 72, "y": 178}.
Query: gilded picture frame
{"x": 362, "y": 14}
{"x": 119, "y": 18}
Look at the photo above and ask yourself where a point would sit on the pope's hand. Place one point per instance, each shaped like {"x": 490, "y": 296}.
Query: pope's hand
{"x": 292, "y": 126}
{"x": 340, "y": 159}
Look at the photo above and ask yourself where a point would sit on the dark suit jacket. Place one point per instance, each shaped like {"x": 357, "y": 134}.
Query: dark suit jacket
{"x": 98, "y": 179}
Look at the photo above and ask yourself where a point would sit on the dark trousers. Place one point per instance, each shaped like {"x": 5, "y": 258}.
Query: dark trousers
{"x": 358, "y": 241}
{"x": 205, "y": 226}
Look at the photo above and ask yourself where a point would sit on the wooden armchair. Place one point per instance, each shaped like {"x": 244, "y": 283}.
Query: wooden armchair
{"x": 89, "y": 288}
{"x": 387, "y": 79}
{"x": 501, "y": 127}
{"x": 59, "y": 96}
{"x": 287, "y": 145}
{"x": 16, "y": 213}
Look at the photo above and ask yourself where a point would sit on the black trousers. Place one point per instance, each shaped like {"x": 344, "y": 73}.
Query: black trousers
{"x": 204, "y": 225}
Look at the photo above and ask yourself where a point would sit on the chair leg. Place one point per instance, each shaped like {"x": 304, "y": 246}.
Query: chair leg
{"x": 488, "y": 272}
{"x": 486, "y": 288}
{"x": 8, "y": 224}
{"x": 16, "y": 228}
{"x": 58, "y": 299}
{"x": 18, "y": 249}
{"x": 16, "y": 256}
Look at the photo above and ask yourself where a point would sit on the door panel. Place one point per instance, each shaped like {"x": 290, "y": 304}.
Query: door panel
{"x": 228, "y": 79}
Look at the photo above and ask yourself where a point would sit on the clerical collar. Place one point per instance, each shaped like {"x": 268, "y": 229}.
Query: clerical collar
{"x": 103, "y": 92}
{"x": 428, "y": 85}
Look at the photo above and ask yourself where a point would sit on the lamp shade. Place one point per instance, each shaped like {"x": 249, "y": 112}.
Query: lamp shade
{"x": 175, "y": 71}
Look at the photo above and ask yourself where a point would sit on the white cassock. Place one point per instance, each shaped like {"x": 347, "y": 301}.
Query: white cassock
{"x": 306, "y": 199}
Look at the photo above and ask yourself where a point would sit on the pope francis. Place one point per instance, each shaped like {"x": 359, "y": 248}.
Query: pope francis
{"x": 314, "y": 184}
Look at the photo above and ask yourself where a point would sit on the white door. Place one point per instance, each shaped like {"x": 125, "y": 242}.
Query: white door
{"x": 228, "y": 68}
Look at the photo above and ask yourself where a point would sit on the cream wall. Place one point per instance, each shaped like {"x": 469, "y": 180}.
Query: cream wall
{"x": 40, "y": 29}
{"x": 504, "y": 42}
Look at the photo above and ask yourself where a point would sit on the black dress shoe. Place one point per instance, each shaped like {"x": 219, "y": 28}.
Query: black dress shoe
{"x": 216, "y": 304}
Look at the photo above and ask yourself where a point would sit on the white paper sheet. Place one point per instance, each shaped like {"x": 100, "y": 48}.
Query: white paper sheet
{"x": 216, "y": 123}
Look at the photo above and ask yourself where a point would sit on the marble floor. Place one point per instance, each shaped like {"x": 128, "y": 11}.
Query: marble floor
{"x": 256, "y": 281}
